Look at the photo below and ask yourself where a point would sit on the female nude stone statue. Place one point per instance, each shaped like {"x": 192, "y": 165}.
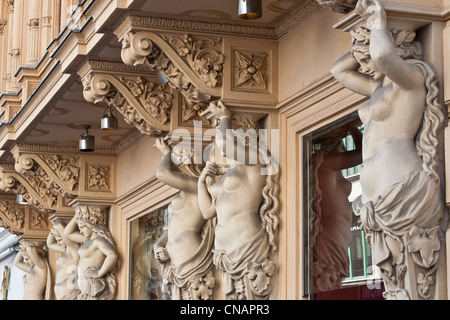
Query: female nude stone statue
{"x": 66, "y": 287}
{"x": 98, "y": 255}
{"x": 401, "y": 206}
{"x": 184, "y": 250}
{"x": 32, "y": 259}
{"x": 245, "y": 204}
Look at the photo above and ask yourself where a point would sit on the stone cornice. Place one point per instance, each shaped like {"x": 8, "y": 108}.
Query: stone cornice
{"x": 282, "y": 27}
{"x": 57, "y": 149}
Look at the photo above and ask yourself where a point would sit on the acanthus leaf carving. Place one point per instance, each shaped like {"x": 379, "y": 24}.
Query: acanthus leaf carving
{"x": 31, "y": 187}
{"x": 143, "y": 103}
{"x": 193, "y": 66}
{"x": 12, "y": 217}
{"x": 58, "y": 173}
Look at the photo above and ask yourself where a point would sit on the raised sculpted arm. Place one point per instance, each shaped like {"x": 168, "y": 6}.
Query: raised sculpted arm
{"x": 205, "y": 199}
{"x": 346, "y": 71}
{"x": 168, "y": 175}
{"x": 382, "y": 49}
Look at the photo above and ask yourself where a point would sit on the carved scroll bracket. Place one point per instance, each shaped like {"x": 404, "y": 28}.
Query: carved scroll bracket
{"x": 192, "y": 64}
{"x": 60, "y": 173}
{"x": 141, "y": 99}
{"x": 31, "y": 188}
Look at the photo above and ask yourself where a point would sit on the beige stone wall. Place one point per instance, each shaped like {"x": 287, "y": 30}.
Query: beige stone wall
{"x": 307, "y": 53}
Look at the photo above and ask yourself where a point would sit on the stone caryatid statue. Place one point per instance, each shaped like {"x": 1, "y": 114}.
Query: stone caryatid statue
{"x": 185, "y": 249}
{"x": 97, "y": 252}
{"x": 66, "y": 286}
{"x": 401, "y": 206}
{"x": 246, "y": 206}
{"x": 33, "y": 259}
{"x": 332, "y": 209}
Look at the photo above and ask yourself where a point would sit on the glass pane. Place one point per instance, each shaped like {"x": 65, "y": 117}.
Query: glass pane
{"x": 146, "y": 282}
{"x": 333, "y": 156}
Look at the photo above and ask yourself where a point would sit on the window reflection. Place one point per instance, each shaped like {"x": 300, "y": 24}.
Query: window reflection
{"x": 337, "y": 253}
{"x": 146, "y": 280}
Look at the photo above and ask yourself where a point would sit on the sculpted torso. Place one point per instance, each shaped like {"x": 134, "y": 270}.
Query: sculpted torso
{"x": 34, "y": 284}
{"x": 238, "y": 196}
{"x": 90, "y": 255}
{"x": 185, "y": 223}
{"x": 67, "y": 268}
{"x": 389, "y": 150}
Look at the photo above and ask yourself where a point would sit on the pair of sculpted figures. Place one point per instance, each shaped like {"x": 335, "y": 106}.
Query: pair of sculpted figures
{"x": 224, "y": 215}
{"x": 85, "y": 263}
{"x": 401, "y": 207}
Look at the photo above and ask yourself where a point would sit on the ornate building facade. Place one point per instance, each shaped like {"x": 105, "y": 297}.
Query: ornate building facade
{"x": 159, "y": 208}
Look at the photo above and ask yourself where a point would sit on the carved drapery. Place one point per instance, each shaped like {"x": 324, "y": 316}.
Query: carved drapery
{"x": 141, "y": 99}
{"x": 192, "y": 64}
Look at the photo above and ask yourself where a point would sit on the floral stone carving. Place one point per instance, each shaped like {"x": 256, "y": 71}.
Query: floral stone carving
{"x": 12, "y": 217}
{"x": 250, "y": 70}
{"x": 144, "y": 103}
{"x": 193, "y": 66}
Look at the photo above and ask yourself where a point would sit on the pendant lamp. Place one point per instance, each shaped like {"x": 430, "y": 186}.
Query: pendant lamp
{"x": 87, "y": 142}
{"x": 249, "y": 9}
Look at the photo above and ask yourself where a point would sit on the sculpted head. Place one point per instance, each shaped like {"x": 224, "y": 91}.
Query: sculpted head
{"x": 403, "y": 40}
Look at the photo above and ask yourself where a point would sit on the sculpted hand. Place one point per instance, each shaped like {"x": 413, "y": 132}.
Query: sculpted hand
{"x": 210, "y": 171}
{"x": 92, "y": 274}
{"x": 217, "y": 110}
{"x": 162, "y": 145}
{"x": 372, "y": 12}
{"x": 161, "y": 255}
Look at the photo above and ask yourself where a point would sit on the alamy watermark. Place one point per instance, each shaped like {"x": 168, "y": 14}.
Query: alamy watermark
{"x": 235, "y": 146}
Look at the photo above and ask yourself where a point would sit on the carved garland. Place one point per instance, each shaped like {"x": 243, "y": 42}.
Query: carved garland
{"x": 193, "y": 66}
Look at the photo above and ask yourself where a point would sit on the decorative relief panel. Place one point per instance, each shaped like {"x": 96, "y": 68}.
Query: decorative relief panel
{"x": 191, "y": 111}
{"x": 12, "y": 216}
{"x": 98, "y": 177}
{"x": 37, "y": 220}
{"x": 250, "y": 71}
